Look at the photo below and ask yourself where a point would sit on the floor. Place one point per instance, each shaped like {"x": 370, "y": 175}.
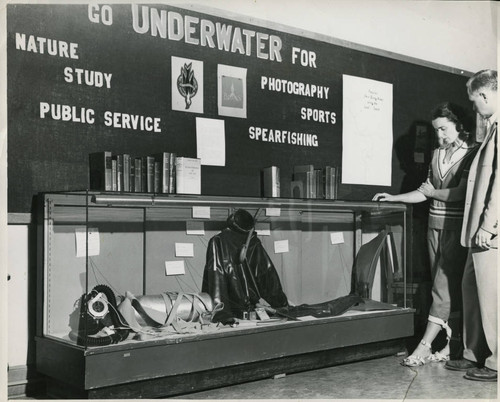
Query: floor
{"x": 382, "y": 378}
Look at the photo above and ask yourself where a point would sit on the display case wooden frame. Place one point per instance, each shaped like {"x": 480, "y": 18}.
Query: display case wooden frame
{"x": 136, "y": 235}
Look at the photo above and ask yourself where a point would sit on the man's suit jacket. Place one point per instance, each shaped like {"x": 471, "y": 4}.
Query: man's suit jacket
{"x": 482, "y": 191}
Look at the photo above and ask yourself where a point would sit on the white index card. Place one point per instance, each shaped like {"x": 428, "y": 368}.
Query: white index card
{"x": 273, "y": 211}
{"x": 174, "y": 267}
{"x": 307, "y": 318}
{"x": 184, "y": 250}
{"x": 195, "y": 228}
{"x": 337, "y": 237}
{"x": 201, "y": 212}
{"x": 93, "y": 242}
{"x": 281, "y": 246}
{"x": 263, "y": 228}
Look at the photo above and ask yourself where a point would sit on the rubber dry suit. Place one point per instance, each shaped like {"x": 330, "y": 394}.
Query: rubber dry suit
{"x": 240, "y": 281}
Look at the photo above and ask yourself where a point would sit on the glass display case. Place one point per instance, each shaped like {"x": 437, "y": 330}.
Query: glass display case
{"x": 106, "y": 258}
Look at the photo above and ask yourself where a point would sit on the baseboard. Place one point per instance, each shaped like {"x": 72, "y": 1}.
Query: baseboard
{"x": 24, "y": 381}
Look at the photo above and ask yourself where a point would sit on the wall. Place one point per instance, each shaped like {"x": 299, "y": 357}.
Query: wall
{"x": 434, "y": 31}
{"x": 17, "y": 322}
{"x": 467, "y": 40}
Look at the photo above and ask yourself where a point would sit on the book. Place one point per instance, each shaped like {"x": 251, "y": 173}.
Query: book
{"x": 308, "y": 183}
{"x": 188, "y": 175}
{"x": 163, "y": 159}
{"x": 337, "y": 180}
{"x": 318, "y": 185}
{"x": 100, "y": 171}
{"x": 172, "y": 175}
{"x": 167, "y": 171}
{"x": 271, "y": 181}
{"x": 313, "y": 185}
{"x": 137, "y": 175}
{"x": 327, "y": 182}
{"x": 307, "y": 175}
{"x": 144, "y": 179}
{"x": 119, "y": 171}
{"x": 148, "y": 168}
{"x": 157, "y": 177}
{"x": 296, "y": 189}
{"x": 113, "y": 175}
{"x": 330, "y": 182}
{"x": 126, "y": 172}
{"x": 132, "y": 175}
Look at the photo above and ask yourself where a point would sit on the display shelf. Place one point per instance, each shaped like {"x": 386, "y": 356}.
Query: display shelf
{"x": 124, "y": 241}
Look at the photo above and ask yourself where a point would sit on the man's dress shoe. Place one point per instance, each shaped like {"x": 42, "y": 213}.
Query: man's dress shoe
{"x": 481, "y": 374}
{"x": 460, "y": 365}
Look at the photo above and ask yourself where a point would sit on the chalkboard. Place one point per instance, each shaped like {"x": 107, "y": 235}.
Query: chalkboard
{"x": 48, "y": 46}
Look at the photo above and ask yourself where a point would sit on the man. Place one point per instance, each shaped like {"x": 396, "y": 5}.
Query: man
{"x": 479, "y": 234}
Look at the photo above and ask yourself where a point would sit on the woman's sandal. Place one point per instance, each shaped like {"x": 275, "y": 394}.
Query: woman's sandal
{"x": 444, "y": 354}
{"x": 438, "y": 357}
{"x": 414, "y": 361}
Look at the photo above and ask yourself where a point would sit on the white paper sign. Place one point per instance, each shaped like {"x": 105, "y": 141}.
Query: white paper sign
{"x": 210, "y": 141}
{"x": 81, "y": 240}
{"x": 195, "y": 228}
{"x": 337, "y": 237}
{"x": 174, "y": 267}
{"x": 273, "y": 211}
{"x": 281, "y": 246}
{"x": 263, "y": 228}
{"x": 184, "y": 250}
{"x": 367, "y": 131}
{"x": 201, "y": 212}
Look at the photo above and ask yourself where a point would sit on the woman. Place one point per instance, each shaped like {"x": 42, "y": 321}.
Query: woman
{"x": 445, "y": 186}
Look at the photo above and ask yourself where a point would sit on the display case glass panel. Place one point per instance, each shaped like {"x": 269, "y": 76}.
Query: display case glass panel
{"x": 144, "y": 244}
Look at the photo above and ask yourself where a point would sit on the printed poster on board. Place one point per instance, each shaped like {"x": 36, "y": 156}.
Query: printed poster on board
{"x": 187, "y": 85}
{"x": 232, "y": 91}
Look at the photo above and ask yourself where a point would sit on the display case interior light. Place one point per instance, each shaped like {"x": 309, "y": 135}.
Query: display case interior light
{"x": 106, "y": 199}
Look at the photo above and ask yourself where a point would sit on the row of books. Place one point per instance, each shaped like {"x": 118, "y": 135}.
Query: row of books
{"x": 309, "y": 182}
{"x": 164, "y": 172}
